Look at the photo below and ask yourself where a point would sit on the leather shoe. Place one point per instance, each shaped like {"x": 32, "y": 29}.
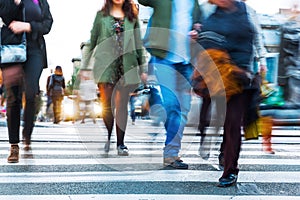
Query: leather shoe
{"x": 227, "y": 181}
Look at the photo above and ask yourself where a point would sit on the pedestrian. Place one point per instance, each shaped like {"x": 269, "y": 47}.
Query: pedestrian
{"x": 87, "y": 94}
{"x": 56, "y": 89}
{"x": 49, "y": 100}
{"x": 167, "y": 39}
{"x": 132, "y": 100}
{"x": 142, "y": 89}
{"x": 19, "y": 77}
{"x": 119, "y": 59}
{"x": 259, "y": 52}
{"x": 228, "y": 53}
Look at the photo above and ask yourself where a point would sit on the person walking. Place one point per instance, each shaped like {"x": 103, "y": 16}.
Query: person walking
{"x": 49, "y": 100}
{"x": 119, "y": 59}
{"x": 87, "y": 94}
{"x": 259, "y": 52}
{"x": 167, "y": 39}
{"x": 56, "y": 89}
{"x": 229, "y": 52}
{"x": 19, "y": 77}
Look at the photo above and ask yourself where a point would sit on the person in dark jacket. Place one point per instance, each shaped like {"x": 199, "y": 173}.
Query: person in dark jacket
{"x": 227, "y": 58}
{"x": 56, "y": 91}
{"x": 24, "y": 77}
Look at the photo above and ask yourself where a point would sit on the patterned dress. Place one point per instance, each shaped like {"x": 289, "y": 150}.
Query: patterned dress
{"x": 118, "y": 36}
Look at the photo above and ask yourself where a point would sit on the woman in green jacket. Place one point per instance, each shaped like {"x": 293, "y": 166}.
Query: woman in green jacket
{"x": 116, "y": 48}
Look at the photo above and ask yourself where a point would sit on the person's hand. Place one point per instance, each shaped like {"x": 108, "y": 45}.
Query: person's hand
{"x": 17, "y": 2}
{"x": 18, "y": 27}
{"x": 193, "y": 34}
{"x": 263, "y": 69}
{"x": 144, "y": 77}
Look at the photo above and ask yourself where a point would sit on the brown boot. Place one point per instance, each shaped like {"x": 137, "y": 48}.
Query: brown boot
{"x": 14, "y": 154}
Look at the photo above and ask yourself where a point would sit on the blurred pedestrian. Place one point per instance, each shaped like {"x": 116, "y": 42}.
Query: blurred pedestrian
{"x": 49, "y": 99}
{"x": 168, "y": 38}
{"x": 119, "y": 59}
{"x": 259, "y": 52}
{"x": 19, "y": 77}
{"x": 229, "y": 49}
{"x": 132, "y": 100}
{"x": 142, "y": 89}
{"x": 87, "y": 94}
{"x": 56, "y": 89}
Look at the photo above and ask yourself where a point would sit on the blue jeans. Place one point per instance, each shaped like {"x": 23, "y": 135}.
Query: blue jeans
{"x": 175, "y": 83}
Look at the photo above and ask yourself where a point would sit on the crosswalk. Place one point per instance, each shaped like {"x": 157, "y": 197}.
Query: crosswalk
{"x": 67, "y": 161}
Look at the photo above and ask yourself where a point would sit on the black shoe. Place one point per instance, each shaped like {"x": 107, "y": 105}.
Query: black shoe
{"x": 221, "y": 159}
{"x": 227, "y": 181}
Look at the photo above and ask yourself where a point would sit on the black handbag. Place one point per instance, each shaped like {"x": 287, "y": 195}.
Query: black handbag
{"x": 13, "y": 53}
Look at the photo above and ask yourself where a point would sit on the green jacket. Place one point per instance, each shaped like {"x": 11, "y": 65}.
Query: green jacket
{"x": 157, "y": 36}
{"x": 101, "y": 52}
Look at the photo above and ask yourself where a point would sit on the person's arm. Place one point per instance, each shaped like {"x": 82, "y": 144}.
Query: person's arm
{"x": 92, "y": 43}
{"x": 141, "y": 53}
{"x": 96, "y": 30}
{"x": 7, "y": 7}
{"x": 258, "y": 39}
{"x": 36, "y": 28}
{"x": 63, "y": 83}
{"x": 42, "y": 27}
{"x": 47, "y": 85}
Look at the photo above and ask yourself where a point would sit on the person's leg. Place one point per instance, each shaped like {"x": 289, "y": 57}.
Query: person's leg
{"x": 13, "y": 80}
{"x": 59, "y": 102}
{"x": 205, "y": 114}
{"x": 232, "y": 142}
{"x": 106, "y": 91}
{"x": 121, "y": 97}
{"x": 220, "y": 118}
{"x": 132, "y": 109}
{"x": 55, "y": 109}
{"x": 84, "y": 112}
{"x": 33, "y": 69}
{"x": 91, "y": 105}
{"x": 266, "y": 132}
{"x": 175, "y": 86}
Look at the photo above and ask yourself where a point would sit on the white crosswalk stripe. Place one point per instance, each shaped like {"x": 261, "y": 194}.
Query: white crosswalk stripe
{"x": 68, "y": 162}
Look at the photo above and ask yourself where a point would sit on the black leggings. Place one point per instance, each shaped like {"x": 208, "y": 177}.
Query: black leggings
{"x": 115, "y": 97}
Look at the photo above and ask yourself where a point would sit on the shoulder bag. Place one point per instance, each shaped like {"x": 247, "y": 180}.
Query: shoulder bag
{"x": 13, "y": 53}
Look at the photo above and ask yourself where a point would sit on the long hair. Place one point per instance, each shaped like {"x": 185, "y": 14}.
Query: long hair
{"x": 129, "y": 7}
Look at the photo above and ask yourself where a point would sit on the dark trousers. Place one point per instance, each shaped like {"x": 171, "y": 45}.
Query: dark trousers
{"x": 232, "y": 133}
{"x": 114, "y": 99}
{"x": 19, "y": 79}
{"x": 33, "y": 68}
{"x": 205, "y": 114}
{"x": 13, "y": 81}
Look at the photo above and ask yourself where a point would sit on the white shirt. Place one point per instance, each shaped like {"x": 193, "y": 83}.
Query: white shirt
{"x": 87, "y": 90}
